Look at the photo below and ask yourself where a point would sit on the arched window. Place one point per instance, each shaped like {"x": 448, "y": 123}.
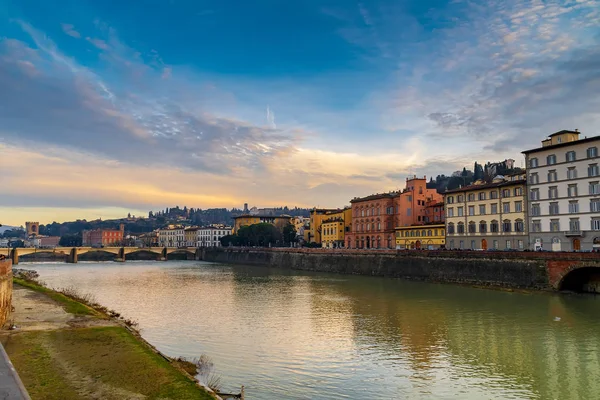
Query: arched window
{"x": 423, "y": 233}
{"x": 494, "y": 226}
{"x": 506, "y": 225}
{"x": 519, "y": 226}
{"x": 482, "y": 227}
{"x": 472, "y": 227}
{"x": 429, "y": 233}
{"x": 451, "y": 228}
{"x": 460, "y": 228}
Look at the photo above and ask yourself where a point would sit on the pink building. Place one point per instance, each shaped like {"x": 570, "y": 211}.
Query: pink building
{"x": 410, "y": 205}
{"x": 103, "y": 237}
{"x": 372, "y": 222}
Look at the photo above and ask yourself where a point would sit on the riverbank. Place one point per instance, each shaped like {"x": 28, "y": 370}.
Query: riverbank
{"x": 522, "y": 270}
{"x": 64, "y": 349}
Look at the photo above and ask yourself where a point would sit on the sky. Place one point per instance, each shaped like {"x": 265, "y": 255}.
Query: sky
{"x": 109, "y": 107}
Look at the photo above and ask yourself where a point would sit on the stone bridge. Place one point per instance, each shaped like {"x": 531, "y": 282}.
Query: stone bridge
{"x": 72, "y": 253}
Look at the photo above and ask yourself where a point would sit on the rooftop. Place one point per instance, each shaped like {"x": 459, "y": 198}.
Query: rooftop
{"x": 563, "y": 132}
{"x": 486, "y": 186}
{"x": 376, "y": 196}
{"x": 559, "y": 145}
{"x": 262, "y": 216}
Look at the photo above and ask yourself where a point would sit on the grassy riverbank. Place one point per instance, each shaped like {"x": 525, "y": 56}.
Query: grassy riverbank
{"x": 77, "y": 352}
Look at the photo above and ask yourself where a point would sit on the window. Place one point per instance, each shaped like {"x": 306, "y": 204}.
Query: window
{"x": 552, "y": 192}
{"x": 553, "y": 208}
{"x": 554, "y": 225}
{"x": 462, "y": 244}
{"x": 451, "y": 229}
{"x": 508, "y": 244}
{"x": 594, "y": 187}
{"x": 573, "y": 207}
{"x": 596, "y": 224}
{"x": 533, "y": 163}
{"x": 471, "y": 197}
{"x": 450, "y": 212}
{"x": 574, "y": 225}
{"x": 494, "y": 226}
{"x": 505, "y": 207}
{"x": 572, "y": 190}
{"x": 506, "y": 193}
{"x": 506, "y": 226}
{"x": 482, "y": 209}
{"x": 494, "y": 208}
{"x": 552, "y": 175}
{"x": 536, "y": 225}
{"x": 493, "y": 194}
{"x": 450, "y": 199}
{"x": 534, "y": 178}
{"x": 452, "y": 243}
{"x": 409, "y": 212}
{"x": 518, "y": 206}
{"x": 521, "y": 244}
{"x": 495, "y": 245}
{"x": 535, "y": 194}
{"x": 482, "y": 227}
{"x": 535, "y": 209}
{"x": 460, "y": 228}
{"x": 472, "y": 227}
{"x": 471, "y": 210}
{"x": 595, "y": 205}
{"x": 571, "y": 173}
{"x": 519, "y": 226}
{"x": 460, "y": 198}
{"x": 551, "y": 159}
{"x": 593, "y": 170}
{"x": 472, "y": 245}
{"x": 592, "y": 152}
{"x": 459, "y": 211}
{"x": 518, "y": 191}
{"x": 481, "y": 195}
{"x": 571, "y": 156}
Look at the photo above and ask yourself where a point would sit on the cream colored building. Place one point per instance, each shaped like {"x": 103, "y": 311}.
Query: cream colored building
{"x": 564, "y": 193}
{"x": 486, "y": 216}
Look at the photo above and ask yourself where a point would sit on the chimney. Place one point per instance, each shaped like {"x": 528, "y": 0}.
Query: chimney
{"x": 122, "y": 227}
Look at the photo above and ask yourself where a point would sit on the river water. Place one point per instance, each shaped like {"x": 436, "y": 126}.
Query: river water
{"x": 299, "y": 335}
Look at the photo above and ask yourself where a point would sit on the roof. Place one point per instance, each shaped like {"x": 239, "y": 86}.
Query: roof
{"x": 563, "y": 132}
{"x": 424, "y": 226}
{"x": 486, "y": 186}
{"x": 436, "y": 204}
{"x": 374, "y": 197}
{"x": 558, "y": 145}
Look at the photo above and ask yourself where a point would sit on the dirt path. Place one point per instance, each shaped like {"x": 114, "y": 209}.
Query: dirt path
{"x": 35, "y": 311}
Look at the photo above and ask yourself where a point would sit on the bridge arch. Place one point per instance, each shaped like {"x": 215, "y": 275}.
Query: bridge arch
{"x": 581, "y": 279}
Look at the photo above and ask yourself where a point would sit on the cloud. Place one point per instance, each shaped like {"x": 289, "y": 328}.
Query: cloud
{"x": 69, "y": 30}
{"x": 99, "y": 43}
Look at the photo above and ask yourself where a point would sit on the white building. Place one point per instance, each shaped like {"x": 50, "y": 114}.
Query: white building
{"x": 564, "y": 193}
{"x": 171, "y": 237}
{"x": 210, "y": 236}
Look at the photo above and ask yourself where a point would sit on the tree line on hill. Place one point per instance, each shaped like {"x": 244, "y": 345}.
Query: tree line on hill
{"x": 467, "y": 177}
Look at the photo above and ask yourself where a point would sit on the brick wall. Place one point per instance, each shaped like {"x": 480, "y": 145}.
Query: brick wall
{"x": 5, "y": 290}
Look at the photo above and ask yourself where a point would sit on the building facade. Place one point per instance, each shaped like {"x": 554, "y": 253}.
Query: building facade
{"x": 210, "y": 236}
{"x": 191, "y": 235}
{"x": 172, "y": 237}
{"x": 564, "y": 193}
{"x": 373, "y": 222}
{"x": 410, "y": 205}
{"x": 45, "y": 241}
{"x": 486, "y": 216}
{"x": 418, "y": 237}
{"x": 103, "y": 237}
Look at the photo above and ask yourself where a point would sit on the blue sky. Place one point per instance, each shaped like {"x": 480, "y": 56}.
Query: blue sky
{"x": 111, "y": 106}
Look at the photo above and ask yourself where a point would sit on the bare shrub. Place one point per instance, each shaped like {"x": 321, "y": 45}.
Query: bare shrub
{"x": 74, "y": 293}
{"x": 206, "y": 372}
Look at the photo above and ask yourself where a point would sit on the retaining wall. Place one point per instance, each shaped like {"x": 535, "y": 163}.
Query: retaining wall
{"x": 5, "y": 290}
{"x": 518, "y": 270}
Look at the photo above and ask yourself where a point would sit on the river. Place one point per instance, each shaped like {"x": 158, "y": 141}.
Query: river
{"x": 300, "y": 335}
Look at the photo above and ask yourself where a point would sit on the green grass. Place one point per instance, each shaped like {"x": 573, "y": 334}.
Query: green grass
{"x": 79, "y": 363}
{"x": 71, "y": 306}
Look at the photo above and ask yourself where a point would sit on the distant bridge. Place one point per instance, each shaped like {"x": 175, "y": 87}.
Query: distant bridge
{"x": 72, "y": 253}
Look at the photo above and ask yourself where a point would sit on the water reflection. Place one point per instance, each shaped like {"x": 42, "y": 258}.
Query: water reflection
{"x": 298, "y": 335}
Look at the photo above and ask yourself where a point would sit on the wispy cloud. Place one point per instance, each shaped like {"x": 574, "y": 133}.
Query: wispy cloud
{"x": 70, "y": 30}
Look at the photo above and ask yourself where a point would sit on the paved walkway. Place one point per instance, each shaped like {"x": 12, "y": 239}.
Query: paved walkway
{"x": 11, "y": 387}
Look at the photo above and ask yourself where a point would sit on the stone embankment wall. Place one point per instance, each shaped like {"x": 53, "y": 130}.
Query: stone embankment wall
{"x": 505, "y": 269}
{"x": 5, "y": 290}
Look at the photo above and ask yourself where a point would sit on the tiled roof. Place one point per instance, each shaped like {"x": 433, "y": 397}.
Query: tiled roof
{"x": 486, "y": 186}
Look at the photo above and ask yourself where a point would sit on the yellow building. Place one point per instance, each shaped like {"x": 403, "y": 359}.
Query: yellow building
{"x": 317, "y": 216}
{"x": 247, "y": 220}
{"x": 488, "y": 215}
{"x": 332, "y": 233}
{"x": 428, "y": 237}
{"x": 190, "y": 236}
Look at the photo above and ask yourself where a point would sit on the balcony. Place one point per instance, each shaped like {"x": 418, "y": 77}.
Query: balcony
{"x": 574, "y": 233}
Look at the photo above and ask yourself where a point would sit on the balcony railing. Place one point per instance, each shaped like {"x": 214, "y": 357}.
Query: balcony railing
{"x": 573, "y": 232}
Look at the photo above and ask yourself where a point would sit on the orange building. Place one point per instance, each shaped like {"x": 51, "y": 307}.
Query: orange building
{"x": 412, "y": 203}
{"x": 103, "y": 237}
{"x": 372, "y": 222}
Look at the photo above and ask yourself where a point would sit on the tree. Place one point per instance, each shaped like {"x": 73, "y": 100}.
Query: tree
{"x": 289, "y": 233}
{"x": 150, "y": 215}
{"x": 73, "y": 240}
